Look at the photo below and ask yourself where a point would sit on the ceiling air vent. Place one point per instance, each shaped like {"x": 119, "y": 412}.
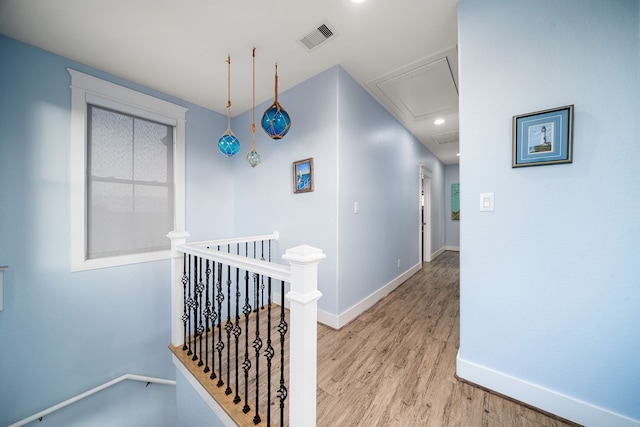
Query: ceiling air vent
{"x": 321, "y": 34}
{"x": 446, "y": 138}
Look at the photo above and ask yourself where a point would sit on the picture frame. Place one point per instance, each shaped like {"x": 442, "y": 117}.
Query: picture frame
{"x": 303, "y": 176}
{"x": 543, "y": 137}
{"x": 455, "y": 202}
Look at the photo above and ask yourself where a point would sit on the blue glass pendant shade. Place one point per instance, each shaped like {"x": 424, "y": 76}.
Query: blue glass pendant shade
{"x": 276, "y": 121}
{"x": 253, "y": 158}
{"x": 228, "y": 144}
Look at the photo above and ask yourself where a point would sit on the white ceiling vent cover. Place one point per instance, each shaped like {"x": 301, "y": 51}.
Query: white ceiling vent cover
{"x": 446, "y": 138}
{"x": 321, "y": 34}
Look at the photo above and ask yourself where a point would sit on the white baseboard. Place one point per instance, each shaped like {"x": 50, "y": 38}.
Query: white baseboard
{"x": 452, "y": 248}
{"x": 206, "y": 397}
{"x": 548, "y": 400}
{"x": 337, "y": 321}
{"x": 437, "y": 253}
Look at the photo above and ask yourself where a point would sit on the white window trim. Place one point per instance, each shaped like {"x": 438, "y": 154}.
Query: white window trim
{"x": 86, "y": 88}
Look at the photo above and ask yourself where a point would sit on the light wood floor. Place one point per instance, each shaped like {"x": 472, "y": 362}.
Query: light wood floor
{"x": 395, "y": 364}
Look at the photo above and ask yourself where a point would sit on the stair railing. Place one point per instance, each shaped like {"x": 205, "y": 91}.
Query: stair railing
{"x": 210, "y": 282}
{"x": 133, "y": 377}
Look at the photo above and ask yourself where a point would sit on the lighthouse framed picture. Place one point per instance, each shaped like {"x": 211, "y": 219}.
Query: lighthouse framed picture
{"x": 303, "y": 176}
{"x": 543, "y": 138}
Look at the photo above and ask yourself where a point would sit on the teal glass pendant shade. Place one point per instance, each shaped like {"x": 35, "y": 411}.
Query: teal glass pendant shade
{"x": 276, "y": 121}
{"x": 228, "y": 144}
{"x": 253, "y": 158}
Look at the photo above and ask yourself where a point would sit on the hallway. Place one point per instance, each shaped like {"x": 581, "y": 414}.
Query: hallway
{"x": 395, "y": 364}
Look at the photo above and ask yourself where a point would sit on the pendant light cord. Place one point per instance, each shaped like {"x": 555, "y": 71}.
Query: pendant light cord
{"x": 229, "y": 92}
{"x": 253, "y": 112}
{"x": 276, "y": 101}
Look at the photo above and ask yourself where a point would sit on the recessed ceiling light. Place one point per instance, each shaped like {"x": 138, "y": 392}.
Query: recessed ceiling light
{"x": 438, "y": 122}
{"x": 358, "y": 1}
{"x": 458, "y": 154}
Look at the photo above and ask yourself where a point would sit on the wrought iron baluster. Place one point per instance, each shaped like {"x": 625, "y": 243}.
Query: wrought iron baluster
{"x": 194, "y": 306}
{"x": 237, "y": 330}
{"x": 228, "y": 327}
{"x": 246, "y": 365}
{"x": 262, "y": 277}
{"x": 220, "y": 345}
{"x": 269, "y": 352}
{"x": 282, "y": 329}
{"x": 214, "y": 317}
{"x": 190, "y": 304}
{"x": 200, "y": 329}
{"x": 185, "y": 316}
{"x": 207, "y": 316}
{"x": 257, "y": 343}
{"x": 256, "y": 306}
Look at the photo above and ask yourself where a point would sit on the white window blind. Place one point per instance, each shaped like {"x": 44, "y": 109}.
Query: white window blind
{"x": 130, "y": 183}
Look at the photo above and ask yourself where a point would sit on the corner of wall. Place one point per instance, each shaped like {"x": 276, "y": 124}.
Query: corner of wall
{"x": 545, "y": 399}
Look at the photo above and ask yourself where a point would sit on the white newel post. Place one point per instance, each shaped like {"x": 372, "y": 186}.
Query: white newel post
{"x": 303, "y": 299}
{"x": 177, "y": 307}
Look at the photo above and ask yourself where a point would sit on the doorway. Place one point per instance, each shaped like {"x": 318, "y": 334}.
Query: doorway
{"x": 425, "y": 214}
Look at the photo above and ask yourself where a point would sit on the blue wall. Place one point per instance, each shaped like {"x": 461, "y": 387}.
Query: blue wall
{"x": 263, "y": 196}
{"x": 378, "y": 166}
{"x": 361, "y": 154}
{"x": 550, "y": 295}
{"x": 63, "y": 333}
{"x": 192, "y": 410}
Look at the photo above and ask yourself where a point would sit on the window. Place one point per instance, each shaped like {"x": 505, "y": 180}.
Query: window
{"x": 127, "y": 174}
{"x": 130, "y": 183}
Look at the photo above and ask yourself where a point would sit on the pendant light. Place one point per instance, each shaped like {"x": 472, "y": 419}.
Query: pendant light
{"x": 275, "y": 120}
{"x": 228, "y": 144}
{"x": 253, "y": 158}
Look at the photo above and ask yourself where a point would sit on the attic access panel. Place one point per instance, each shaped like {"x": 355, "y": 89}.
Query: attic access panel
{"x": 420, "y": 91}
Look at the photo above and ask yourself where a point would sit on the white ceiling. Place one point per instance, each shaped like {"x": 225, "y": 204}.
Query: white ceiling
{"x": 403, "y": 52}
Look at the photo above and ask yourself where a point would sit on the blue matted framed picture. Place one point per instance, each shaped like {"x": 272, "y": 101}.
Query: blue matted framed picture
{"x": 543, "y": 138}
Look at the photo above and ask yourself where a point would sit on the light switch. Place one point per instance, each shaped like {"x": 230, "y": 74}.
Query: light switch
{"x": 486, "y": 202}
{"x": 356, "y": 207}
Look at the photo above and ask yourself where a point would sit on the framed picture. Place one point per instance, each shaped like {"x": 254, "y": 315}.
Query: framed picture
{"x": 303, "y": 176}
{"x": 543, "y": 138}
{"x": 455, "y": 202}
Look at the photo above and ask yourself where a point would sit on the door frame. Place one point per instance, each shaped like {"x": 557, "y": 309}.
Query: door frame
{"x": 424, "y": 214}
